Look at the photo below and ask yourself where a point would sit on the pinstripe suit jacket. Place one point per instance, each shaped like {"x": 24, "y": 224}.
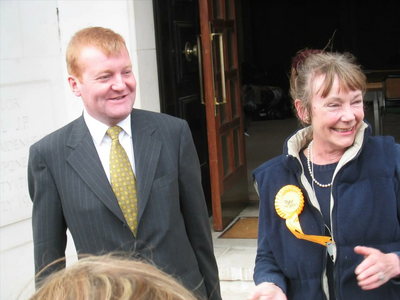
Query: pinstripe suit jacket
{"x": 69, "y": 189}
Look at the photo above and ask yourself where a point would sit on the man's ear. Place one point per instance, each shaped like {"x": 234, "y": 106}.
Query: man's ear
{"x": 74, "y": 85}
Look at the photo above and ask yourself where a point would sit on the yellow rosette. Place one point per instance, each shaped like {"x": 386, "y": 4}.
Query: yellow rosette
{"x": 289, "y": 203}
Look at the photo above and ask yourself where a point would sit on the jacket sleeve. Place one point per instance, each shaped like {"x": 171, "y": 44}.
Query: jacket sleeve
{"x": 266, "y": 268}
{"x": 48, "y": 224}
{"x": 397, "y": 153}
{"x": 195, "y": 214}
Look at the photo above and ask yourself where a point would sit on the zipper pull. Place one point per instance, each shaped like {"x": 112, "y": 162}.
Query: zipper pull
{"x": 331, "y": 247}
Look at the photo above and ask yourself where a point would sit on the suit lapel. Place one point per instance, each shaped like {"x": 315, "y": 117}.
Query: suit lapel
{"x": 85, "y": 161}
{"x": 147, "y": 153}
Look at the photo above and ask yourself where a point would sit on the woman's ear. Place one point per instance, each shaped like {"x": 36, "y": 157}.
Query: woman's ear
{"x": 301, "y": 111}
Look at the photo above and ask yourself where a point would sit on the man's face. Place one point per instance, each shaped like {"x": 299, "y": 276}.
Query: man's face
{"x": 107, "y": 86}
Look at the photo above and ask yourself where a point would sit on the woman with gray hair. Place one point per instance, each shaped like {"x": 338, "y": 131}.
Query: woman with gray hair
{"x": 329, "y": 223}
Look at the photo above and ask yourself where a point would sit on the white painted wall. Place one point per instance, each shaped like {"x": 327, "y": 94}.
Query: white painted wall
{"x": 35, "y": 99}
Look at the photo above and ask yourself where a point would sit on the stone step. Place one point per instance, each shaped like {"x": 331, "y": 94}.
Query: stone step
{"x": 236, "y": 290}
{"x": 235, "y": 263}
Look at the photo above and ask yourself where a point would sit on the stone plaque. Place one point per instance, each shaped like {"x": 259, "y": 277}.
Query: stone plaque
{"x": 26, "y": 116}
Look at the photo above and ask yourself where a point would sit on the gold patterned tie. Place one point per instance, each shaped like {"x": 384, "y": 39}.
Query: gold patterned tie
{"x": 123, "y": 180}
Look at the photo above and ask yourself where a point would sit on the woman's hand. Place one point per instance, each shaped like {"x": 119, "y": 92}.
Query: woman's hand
{"x": 377, "y": 267}
{"x": 267, "y": 291}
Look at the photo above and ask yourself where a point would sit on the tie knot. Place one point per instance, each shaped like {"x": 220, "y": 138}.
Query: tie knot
{"x": 113, "y": 132}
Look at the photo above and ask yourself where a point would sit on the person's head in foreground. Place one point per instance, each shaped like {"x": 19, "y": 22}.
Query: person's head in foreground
{"x": 111, "y": 278}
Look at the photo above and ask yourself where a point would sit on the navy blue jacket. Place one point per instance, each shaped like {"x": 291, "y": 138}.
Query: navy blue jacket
{"x": 365, "y": 210}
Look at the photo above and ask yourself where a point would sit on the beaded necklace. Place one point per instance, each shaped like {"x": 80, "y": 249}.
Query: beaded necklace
{"x": 311, "y": 168}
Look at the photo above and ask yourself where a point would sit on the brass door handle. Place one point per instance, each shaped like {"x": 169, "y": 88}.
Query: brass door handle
{"x": 221, "y": 58}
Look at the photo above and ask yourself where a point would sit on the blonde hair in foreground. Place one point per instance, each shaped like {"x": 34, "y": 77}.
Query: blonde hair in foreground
{"x": 111, "y": 278}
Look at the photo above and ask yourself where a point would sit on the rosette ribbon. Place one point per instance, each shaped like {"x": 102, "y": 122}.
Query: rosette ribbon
{"x": 289, "y": 203}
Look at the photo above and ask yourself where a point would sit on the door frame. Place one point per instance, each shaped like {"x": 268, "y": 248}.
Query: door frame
{"x": 228, "y": 168}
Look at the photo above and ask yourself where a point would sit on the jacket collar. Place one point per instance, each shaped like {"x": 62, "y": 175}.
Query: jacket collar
{"x": 85, "y": 161}
{"x": 147, "y": 149}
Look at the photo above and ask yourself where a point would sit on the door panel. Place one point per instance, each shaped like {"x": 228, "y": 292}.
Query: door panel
{"x": 176, "y": 26}
{"x": 223, "y": 110}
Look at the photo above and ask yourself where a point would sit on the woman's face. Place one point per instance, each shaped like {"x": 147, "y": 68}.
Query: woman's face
{"x": 336, "y": 118}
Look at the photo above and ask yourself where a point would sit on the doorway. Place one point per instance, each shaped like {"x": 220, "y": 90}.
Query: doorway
{"x": 199, "y": 79}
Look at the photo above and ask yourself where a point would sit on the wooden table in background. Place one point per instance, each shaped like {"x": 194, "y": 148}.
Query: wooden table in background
{"x": 375, "y": 85}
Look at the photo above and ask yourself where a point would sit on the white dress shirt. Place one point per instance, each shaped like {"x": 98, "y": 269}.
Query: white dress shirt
{"x": 102, "y": 141}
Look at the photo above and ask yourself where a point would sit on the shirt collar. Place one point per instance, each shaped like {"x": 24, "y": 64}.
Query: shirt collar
{"x": 98, "y": 130}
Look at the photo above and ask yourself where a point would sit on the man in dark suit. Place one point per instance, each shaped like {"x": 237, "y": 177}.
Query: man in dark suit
{"x": 69, "y": 175}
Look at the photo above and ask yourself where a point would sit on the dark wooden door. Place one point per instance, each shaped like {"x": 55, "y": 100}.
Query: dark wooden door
{"x": 177, "y": 29}
{"x": 225, "y": 118}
